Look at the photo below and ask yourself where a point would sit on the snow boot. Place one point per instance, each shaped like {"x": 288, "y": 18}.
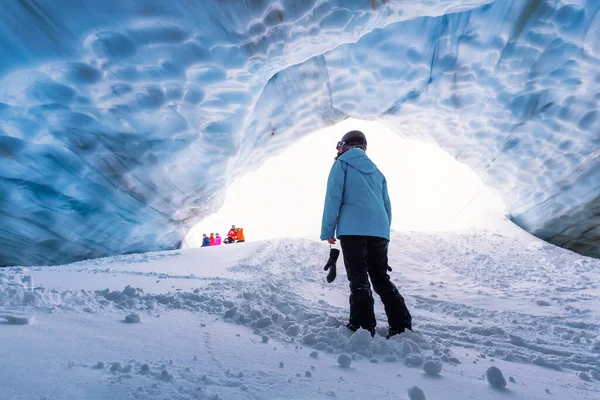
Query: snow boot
{"x": 398, "y": 315}
{"x": 331, "y": 265}
{"x": 391, "y": 332}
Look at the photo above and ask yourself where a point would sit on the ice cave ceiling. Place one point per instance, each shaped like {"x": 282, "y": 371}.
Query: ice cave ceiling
{"x": 122, "y": 122}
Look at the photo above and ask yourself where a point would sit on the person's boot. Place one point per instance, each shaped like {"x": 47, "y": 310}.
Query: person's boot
{"x": 391, "y": 332}
{"x": 398, "y": 315}
{"x": 331, "y": 265}
{"x": 361, "y": 310}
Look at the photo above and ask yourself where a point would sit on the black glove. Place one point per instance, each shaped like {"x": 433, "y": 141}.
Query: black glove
{"x": 389, "y": 268}
{"x": 333, "y": 256}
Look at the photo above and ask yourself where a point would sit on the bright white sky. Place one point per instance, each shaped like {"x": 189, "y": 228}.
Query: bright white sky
{"x": 429, "y": 190}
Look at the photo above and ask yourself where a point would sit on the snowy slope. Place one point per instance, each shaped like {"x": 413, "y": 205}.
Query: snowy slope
{"x": 258, "y": 320}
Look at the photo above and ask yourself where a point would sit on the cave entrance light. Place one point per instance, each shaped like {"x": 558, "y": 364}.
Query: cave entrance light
{"x": 429, "y": 189}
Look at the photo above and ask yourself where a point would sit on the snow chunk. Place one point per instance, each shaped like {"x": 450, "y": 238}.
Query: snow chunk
{"x": 409, "y": 347}
{"x": 99, "y": 365}
{"x": 416, "y": 393}
{"x": 166, "y": 376}
{"x": 360, "y": 340}
{"x": 516, "y": 340}
{"x": 130, "y": 291}
{"x": 230, "y": 313}
{"x": 344, "y": 360}
{"x": 486, "y": 330}
{"x": 264, "y": 322}
{"x": 310, "y": 339}
{"x": 542, "y": 362}
{"x": 116, "y": 367}
{"x": 583, "y": 376}
{"x": 414, "y": 360}
{"x": 495, "y": 378}
{"x": 133, "y": 318}
{"x": 293, "y": 330}
{"x": 18, "y": 320}
{"x": 332, "y": 321}
{"x": 432, "y": 367}
{"x": 145, "y": 369}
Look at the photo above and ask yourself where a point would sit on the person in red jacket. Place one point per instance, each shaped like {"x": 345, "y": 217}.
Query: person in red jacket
{"x": 231, "y": 235}
{"x": 212, "y": 239}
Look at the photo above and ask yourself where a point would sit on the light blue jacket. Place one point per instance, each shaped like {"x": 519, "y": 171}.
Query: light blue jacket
{"x": 357, "y": 200}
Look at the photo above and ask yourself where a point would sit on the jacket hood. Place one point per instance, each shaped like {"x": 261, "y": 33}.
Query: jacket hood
{"x": 358, "y": 159}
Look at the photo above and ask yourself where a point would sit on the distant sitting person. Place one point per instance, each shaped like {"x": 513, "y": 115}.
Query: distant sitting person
{"x": 240, "y": 235}
{"x": 217, "y": 240}
{"x": 205, "y": 240}
{"x": 231, "y": 235}
{"x": 212, "y": 239}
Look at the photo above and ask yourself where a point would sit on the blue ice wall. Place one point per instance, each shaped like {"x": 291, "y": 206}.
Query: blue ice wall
{"x": 122, "y": 122}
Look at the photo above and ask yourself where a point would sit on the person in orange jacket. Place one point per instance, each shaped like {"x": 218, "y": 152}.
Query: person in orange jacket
{"x": 240, "y": 235}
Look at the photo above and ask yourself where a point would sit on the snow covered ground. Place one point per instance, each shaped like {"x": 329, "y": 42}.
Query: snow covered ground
{"x": 258, "y": 320}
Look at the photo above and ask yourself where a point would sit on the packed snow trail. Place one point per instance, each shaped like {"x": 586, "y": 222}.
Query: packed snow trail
{"x": 258, "y": 320}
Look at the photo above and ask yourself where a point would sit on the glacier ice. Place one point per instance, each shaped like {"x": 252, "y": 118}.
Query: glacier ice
{"x": 122, "y": 123}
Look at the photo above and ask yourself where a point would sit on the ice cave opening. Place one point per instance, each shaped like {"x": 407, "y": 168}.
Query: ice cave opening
{"x": 429, "y": 189}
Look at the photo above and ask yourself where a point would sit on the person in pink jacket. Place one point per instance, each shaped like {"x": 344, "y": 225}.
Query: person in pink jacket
{"x": 217, "y": 240}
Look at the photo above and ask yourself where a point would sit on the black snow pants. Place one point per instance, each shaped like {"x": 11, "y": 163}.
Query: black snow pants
{"x": 366, "y": 257}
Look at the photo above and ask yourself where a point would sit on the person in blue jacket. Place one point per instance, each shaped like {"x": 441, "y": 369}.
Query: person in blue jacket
{"x": 358, "y": 212}
{"x": 205, "y": 240}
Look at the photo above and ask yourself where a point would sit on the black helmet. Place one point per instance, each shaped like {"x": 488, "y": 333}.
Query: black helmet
{"x": 353, "y": 139}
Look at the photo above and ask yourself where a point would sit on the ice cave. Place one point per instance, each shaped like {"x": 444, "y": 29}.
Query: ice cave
{"x": 122, "y": 123}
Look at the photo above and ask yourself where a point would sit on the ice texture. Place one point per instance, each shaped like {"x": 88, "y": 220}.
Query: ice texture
{"x": 122, "y": 123}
